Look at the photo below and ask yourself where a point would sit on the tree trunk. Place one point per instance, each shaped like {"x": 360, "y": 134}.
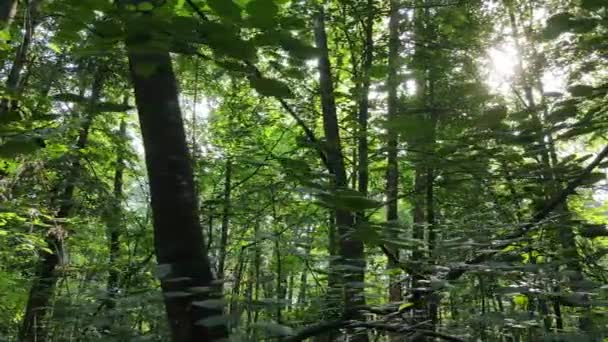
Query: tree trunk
{"x": 392, "y": 171}
{"x": 225, "y": 219}
{"x": 14, "y": 80}
{"x": 8, "y": 9}
{"x": 46, "y": 276}
{"x": 350, "y": 249}
{"x": 362, "y": 143}
{"x": 115, "y": 219}
{"x": 178, "y": 239}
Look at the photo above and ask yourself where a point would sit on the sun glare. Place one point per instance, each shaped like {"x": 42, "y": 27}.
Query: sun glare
{"x": 502, "y": 64}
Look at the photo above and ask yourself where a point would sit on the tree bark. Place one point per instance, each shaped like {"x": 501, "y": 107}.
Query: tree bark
{"x": 362, "y": 143}
{"x": 178, "y": 239}
{"x": 392, "y": 171}
{"x": 14, "y": 80}
{"x": 8, "y": 9}
{"x": 350, "y": 249}
{"x": 115, "y": 219}
{"x": 225, "y": 219}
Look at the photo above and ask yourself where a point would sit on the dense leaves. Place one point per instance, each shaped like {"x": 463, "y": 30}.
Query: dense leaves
{"x": 364, "y": 170}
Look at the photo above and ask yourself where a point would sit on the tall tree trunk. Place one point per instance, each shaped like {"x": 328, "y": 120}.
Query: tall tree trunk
{"x": 115, "y": 219}
{"x": 362, "y": 143}
{"x": 392, "y": 171}
{"x": 350, "y": 249}
{"x": 225, "y": 219}
{"x": 14, "y": 80}
{"x": 46, "y": 276}
{"x": 178, "y": 238}
{"x": 8, "y": 9}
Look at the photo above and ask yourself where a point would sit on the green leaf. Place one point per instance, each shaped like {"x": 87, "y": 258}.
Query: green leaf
{"x": 17, "y": 147}
{"x": 68, "y": 97}
{"x": 226, "y": 9}
{"x": 270, "y": 87}
{"x": 297, "y": 48}
{"x": 406, "y": 306}
{"x": 210, "y": 303}
{"x": 110, "y": 107}
{"x": 262, "y": 13}
{"x": 225, "y": 41}
{"x": 591, "y": 231}
{"x": 562, "y": 113}
{"x": 145, "y": 6}
{"x": 493, "y": 117}
{"x": 594, "y": 177}
{"x": 274, "y": 329}
{"x": 558, "y": 24}
{"x": 592, "y": 5}
{"x": 10, "y": 116}
{"x": 581, "y": 90}
{"x": 216, "y": 321}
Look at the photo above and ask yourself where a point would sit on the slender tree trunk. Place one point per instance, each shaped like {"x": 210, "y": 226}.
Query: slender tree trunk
{"x": 178, "y": 238}
{"x": 280, "y": 288}
{"x": 14, "y": 80}
{"x": 257, "y": 260}
{"x": 225, "y": 219}
{"x": 392, "y": 171}
{"x": 350, "y": 249}
{"x": 362, "y": 143}
{"x": 115, "y": 218}
{"x": 46, "y": 277}
{"x": 8, "y": 9}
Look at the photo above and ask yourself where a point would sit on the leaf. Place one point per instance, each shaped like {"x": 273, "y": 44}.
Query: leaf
{"x": 177, "y": 294}
{"x": 17, "y": 147}
{"x": 210, "y": 303}
{"x": 594, "y": 177}
{"x": 406, "y": 306}
{"x": 145, "y": 6}
{"x": 562, "y": 113}
{"x": 275, "y": 329}
{"x": 10, "y": 116}
{"x": 215, "y": 321}
{"x": 592, "y": 5}
{"x": 493, "y": 117}
{"x": 69, "y": 97}
{"x": 297, "y": 48}
{"x": 226, "y": 9}
{"x": 270, "y": 87}
{"x": 262, "y": 13}
{"x": 225, "y": 40}
{"x": 111, "y": 107}
{"x": 581, "y": 90}
{"x": 557, "y": 24}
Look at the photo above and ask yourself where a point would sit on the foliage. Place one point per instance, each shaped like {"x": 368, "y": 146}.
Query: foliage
{"x": 502, "y": 212}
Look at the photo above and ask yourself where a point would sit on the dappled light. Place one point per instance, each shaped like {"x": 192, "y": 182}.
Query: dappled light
{"x": 303, "y": 170}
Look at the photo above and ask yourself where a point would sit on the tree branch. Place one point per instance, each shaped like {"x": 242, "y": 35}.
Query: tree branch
{"x": 323, "y": 327}
{"x": 551, "y": 205}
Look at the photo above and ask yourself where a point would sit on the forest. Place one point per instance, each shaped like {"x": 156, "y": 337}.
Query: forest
{"x": 304, "y": 170}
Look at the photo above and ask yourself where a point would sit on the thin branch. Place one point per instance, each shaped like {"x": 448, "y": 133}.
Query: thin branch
{"x": 536, "y": 219}
{"x": 318, "y": 329}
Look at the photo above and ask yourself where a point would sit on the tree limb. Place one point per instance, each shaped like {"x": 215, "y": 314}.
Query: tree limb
{"x": 551, "y": 205}
{"x": 323, "y": 327}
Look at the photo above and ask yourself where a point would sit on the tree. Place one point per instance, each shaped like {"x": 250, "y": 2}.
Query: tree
{"x": 180, "y": 253}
